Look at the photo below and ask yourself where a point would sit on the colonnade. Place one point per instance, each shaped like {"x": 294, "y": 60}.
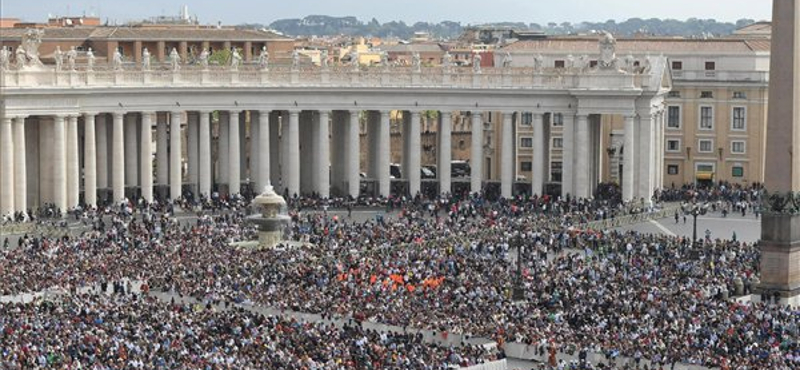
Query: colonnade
{"x": 298, "y": 151}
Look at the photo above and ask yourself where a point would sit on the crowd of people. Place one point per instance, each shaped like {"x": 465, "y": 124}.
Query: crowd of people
{"x": 449, "y": 265}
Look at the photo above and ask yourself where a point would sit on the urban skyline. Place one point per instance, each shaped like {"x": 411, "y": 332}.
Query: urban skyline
{"x": 468, "y": 12}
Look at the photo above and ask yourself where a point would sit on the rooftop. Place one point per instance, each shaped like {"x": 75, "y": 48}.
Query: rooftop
{"x": 585, "y": 44}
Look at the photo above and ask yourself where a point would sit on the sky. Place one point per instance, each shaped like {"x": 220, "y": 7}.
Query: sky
{"x": 464, "y": 11}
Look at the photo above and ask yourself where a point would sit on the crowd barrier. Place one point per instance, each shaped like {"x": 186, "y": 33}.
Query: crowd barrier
{"x": 667, "y": 211}
{"x": 494, "y": 365}
{"x": 530, "y": 352}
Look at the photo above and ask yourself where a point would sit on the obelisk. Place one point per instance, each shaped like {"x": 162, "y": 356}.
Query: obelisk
{"x": 780, "y": 225}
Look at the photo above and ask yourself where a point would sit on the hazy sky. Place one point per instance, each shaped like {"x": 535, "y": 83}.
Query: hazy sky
{"x": 465, "y": 11}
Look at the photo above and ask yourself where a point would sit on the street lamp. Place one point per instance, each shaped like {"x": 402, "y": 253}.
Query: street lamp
{"x": 694, "y": 210}
{"x": 518, "y": 294}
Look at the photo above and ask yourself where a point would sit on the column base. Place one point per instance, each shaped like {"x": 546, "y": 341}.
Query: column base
{"x": 780, "y": 256}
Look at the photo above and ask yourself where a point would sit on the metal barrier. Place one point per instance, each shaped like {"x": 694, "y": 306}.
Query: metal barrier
{"x": 632, "y": 219}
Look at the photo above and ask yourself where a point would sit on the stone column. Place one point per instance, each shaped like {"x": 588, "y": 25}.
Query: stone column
{"x": 645, "y": 157}
{"x": 568, "y": 156}
{"x": 73, "y": 170}
{"x": 175, "y": 171}
{"x": 162, "y": 161}
{"x": 291, "y": 164}
{"x": 146, "y": 160}
{"x": 223, "y": 149}
{"x": 234, "y": 174}
{"x": 192, "y": 151}
{"x": 89, "y": 160}
{"x": 101, "y": 155}
{"x": 445, "y": 151}
{"x": 131, "y": 152}
{"x": 20, "y": 166}
{"x": 59, "y": 163}
{"x": 118, "y": 158}
{"x": 6, "y": 166}
{"x": 476, "y": 164}
{"x": 629, "y": 190}
{"x": 507, "y": 162}
{"x": 263, "y": 150}
{"x": 352, "y": 155}
{"x": 322, "y": 153}
{"x": 254, "y": 149}
{"x": 205, "y": 154}
{"x": 581, "y": 158}
{"x": 384, "y": 155}
{"x": 780, "y": 228}
{"x": 415, "y": 154}
{"x": 540, "y": 156}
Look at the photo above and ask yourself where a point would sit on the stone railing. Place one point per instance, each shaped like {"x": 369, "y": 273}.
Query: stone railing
{"x": 281, "y": 76}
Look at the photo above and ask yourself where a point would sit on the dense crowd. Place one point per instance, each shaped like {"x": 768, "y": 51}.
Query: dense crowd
{"x": 139, "y": 332}
{"x": 448, "y": 265}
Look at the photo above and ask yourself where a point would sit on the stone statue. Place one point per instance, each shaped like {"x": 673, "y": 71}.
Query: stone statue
{"x": 59, "y": 58}
{"x": 203, "y": 59}
{"x": 538, "y": 63}
{"x": 608, "y": 53}
{"x": 447, "y": 61}
{"x": 570, "y": 62}
{"x": 145, "y": 60}
{"x": 72, "y": 54}
{"x": 4, "y": 59}
{"x": 117, "y": 60}
{"x": 354, "y": 64}
{"x": 175, "y": 60}
{"x": 323, "y": 59}
{"x": 90, "y": 60}
{"x": 507, "y": 60}
{"x": 647, "y": 65}
{"x": 263, "y": 58}
{"x": 416, "y": 63}
{"x": 22, "y": 59}
{"x": 476, "y": 64}
{"x": 295, "y": 60}
{"x": 629, "y": 67}
{"x": 385, "y": 61}
{"x": 236, "y": 59}
{"x": 30, "y": 42}
{"x": 583, "y": 63}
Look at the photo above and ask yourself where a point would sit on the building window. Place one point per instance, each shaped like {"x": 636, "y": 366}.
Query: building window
{"x": 674, "y": 94}
{"x": 705, "y": 146}
{"x": 559, "y": 64}
{"x": 558, "y": 120}
{"x": 738, "y": 147}
{"x": 674, "y": 117}
{"x": 558, "y": 143}
{"x": 737, "y": 171}
{"x": 592, "y": 63}
{"x": 527, "y": 118}
{"x": 738, "y": 119}
{"x": 706, "y": 95}
{"x": 739, "y": 95}
{"x": 672, "y": 169}
{"x": 526, "y": 142}
{"x": 711, "y": 66}
{"x": 673, "y": 145}
{"x": 526, "y": 166}
{"x": 706, "y": 118}
{"x": 677, "y": 65}
{"x": 555, "y": 171}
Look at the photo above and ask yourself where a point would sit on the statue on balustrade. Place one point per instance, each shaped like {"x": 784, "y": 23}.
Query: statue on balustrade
{"x": 507, "y": 60}
{"x": 263, "y": 59}
{"x": 90, "y": 60}
{"x": 175, "y": 60}
{"x": 236, "y": 59}
{"x": 385, "y": 60}
{"x": 203, "y": 59}
{"x": 145, "y": 60}
{"x": 570, "y": 62}
{"x": 295, "y": 60}
{"x": 538, "y": 63}
{"x": 30, "y": 43}
{"x": 608, "y": 53}
{"x": 476, "y": 64}
{"x": 647, "y": 66}
{"x": 447, "y": 62}
{"x": 323, "y": 60}
{"x": 4, "y": 56}
{"x": 58, "y": 56}
{"x": 582, "y": 64}
{"x": 354, "y": 63}
{"x": 416, "y": 63}
{"x": 117, "y": 60}
{"x": 629, "y": 64}
{"x": 72, "y": 54}
{"x": 22, "y": 59}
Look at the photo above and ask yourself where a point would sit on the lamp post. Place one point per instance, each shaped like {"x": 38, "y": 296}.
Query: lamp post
{"x": 694, "y": 210}
{"x": 518, "y": 294}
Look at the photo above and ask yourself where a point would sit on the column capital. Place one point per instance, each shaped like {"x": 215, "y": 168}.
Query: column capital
{"x": 386, "y": 112}
{"x": 118, "y": 114}
{"x": 263, "y": 112}
{"x": 205, "y": 111}
{"x": 17, "y": 116}
{"x": 295, "y": 112}
{"x": 235, "y": 111}
{"x": 91, "y": 113}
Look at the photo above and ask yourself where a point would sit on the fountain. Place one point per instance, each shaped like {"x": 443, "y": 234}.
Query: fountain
{"x": 272, "y": 222}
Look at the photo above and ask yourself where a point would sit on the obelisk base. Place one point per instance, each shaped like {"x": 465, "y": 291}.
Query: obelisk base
{"x": 780, "y": 258}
